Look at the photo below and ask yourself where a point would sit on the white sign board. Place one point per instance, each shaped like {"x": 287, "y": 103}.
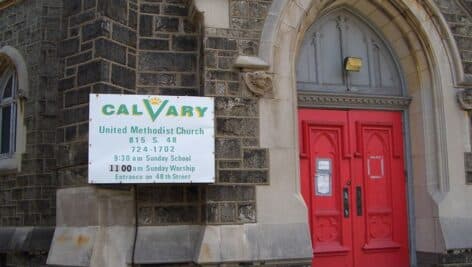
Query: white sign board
{"x": 151, "y": 139}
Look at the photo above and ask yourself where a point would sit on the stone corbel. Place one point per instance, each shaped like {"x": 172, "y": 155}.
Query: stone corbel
{"x": 255, "y": 75}
{"x": 464, "y": 97}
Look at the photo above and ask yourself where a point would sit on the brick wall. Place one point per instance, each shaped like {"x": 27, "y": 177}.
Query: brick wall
{"x": 28, "y": 198}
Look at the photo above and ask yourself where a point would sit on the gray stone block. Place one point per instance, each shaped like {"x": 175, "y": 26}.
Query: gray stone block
{"x": 236, "y": 106}
{"x": 157, "y": 79}
{"x": 150, "y": 8}
{"x": 243, "y": 176}
{"x": 159, "y": 61}
{"x": 167, "y": 24}
{"x": 166, "y": 244}
{"x": 95, "y": 71}
{"x": 184, "y": 43}
{"x": 98, "y": 28}
{"x": 255, "y": 158}
{"x": 187, "y": 214}
{"x": 68, "y": 47}
{"x": 82, "y": 17}
{"x": 115, "y": 9}
{"x": 72, "y": 7}
{"x": 110, "y": 50}
{"x": 175, "y": 10}
{"x": 124, "y": 35}
{"x": 79, "y": 58}
{"x": 145, "y": 25}
{"x": 237, "y": 127}
{"x": 221, "y": 43}
{"x": 123, "y": 77}
{"x": 153, "y": 44}
{"x": 228, "y": 148}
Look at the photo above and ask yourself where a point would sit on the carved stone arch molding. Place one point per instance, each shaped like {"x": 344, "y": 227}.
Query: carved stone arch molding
{"x": 421, "y": 40}
{"x": 11, "y": 57}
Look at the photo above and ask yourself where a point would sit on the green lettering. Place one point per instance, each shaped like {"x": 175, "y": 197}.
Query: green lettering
{"x": 172, "y": 111}
{"x": 187, "y": 111}
{"x": 136, "y": 111}
{"x": 108, "y": 109}
{"x": 154, "y": 114}
{"x": 122, "y": 109}
{"x": 201, "y": 111}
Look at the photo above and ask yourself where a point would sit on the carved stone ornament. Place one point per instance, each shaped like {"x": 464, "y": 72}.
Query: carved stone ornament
{"x": 310, "y": 99}
{"x": 465, "y": 99}
{"x": 258, "y": 82}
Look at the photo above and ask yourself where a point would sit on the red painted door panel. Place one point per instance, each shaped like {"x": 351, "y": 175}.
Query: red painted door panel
{"x": 353, "y": 182}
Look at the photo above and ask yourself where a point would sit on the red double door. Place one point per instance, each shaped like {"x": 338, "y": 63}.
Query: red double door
{"x": 353, "y": 181}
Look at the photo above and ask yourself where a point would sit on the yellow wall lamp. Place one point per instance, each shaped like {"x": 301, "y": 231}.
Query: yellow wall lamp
{"x": 353, "y": 64}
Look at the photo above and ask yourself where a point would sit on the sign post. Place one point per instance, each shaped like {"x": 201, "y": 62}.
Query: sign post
{"x": 151, "y": 139}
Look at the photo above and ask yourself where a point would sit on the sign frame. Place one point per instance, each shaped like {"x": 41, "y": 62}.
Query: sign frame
{"x": 147, "y": 139}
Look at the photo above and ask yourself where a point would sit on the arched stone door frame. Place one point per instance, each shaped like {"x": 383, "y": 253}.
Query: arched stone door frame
{"x": 431, "y": 66}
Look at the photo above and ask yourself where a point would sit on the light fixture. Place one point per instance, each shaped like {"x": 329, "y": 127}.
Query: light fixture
{"x": 353, "y": 64}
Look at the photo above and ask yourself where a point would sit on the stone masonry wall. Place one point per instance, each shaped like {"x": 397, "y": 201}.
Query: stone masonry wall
{"x": 169, "y": 43}
{"x": 459, "y": 17}
{"x": 98, "y": 55}
{"x": 241, "y": 163}
{"x": 169, "y": 62}
{"x": 160, "y": 43}
{"x": 28, "y": 198}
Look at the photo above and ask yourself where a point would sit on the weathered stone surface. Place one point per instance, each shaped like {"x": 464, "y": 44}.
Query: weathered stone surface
{"x": 236, "y": 127}
{"x": 177, "y": 214}
{"x": 110, "y": 50}
{"x": 79, "y": 58}
{"x": 154, "y": 44}
{"x": 124, "y": 35}
{"x": 218, "y": 193}
{"x": 221, "y": 43}
{"x": 66, "y": 83}
{"x": 167, "y": 24}
{"x": 94, "y": 71}
{"x": 157, "y": 79}
{"x": 156, "y": 61}
{"x": 145, "y": 25}
{"x": 243, "y": 176}
{"x": 255, "y": 158}
{"x": 235, "y": 106}
{"x": 98, "y": 28}
{"x": 68, "y": 47}
{"x": 229, "y": 164}
{"x": 175, "y": 10}
{"x": 150, "y": 8}
{"x": 123, "y": 77}
{"x": 184, "y": 43}
{"x": 81, "y": 18}
{"x": 115, "y": 9}
{"x": 72, "y": 7}
{"x": 227, "y": 148}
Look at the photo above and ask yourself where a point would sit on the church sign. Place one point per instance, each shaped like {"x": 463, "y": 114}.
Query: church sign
{"x": 151, "y": 139}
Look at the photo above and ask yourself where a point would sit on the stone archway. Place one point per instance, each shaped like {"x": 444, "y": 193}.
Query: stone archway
{"x": 430, "y": 65}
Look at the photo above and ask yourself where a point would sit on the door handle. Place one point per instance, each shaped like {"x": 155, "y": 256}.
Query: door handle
{"x": 359, "y": 200}
{"x": 346, "y": 202}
